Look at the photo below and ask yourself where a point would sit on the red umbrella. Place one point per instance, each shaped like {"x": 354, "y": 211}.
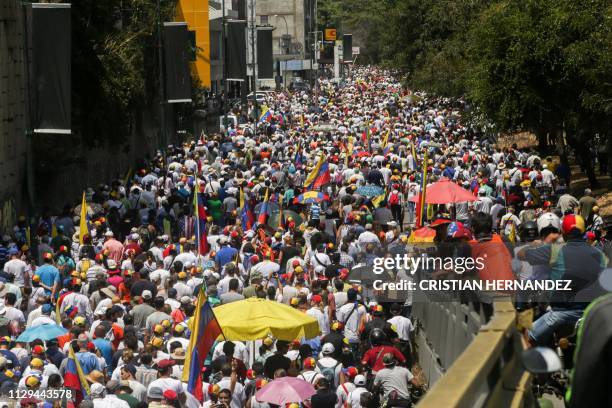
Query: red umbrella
{"x": 445, "y": 192}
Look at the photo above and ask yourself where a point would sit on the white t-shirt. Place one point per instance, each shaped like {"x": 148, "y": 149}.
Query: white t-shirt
{"x": 167, "y": 384}
{"x": 351, "y": 320}
{"x": 354, "y": 398}
{"x": 343, "y": 392}
{"x": 17, "y": 268}
{"x": 403, "y": 326}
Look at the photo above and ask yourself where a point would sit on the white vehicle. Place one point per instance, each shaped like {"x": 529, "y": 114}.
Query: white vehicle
{"x": 232, "y": 121}
{"x": 260, "y": 97}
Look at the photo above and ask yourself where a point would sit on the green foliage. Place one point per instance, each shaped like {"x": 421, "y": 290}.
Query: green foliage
{"x": 114, "y": 64}
{"x": 538, "y": 65}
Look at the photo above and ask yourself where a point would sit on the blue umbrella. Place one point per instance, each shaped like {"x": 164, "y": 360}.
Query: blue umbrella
{"x": 370, "y": 190}
{"x": 42, "y": 332}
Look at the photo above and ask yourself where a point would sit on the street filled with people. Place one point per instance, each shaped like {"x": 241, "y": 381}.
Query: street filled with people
{"x": 123, "y": 298}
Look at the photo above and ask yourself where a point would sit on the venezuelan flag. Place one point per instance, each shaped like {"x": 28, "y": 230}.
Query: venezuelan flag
{"x": 298, "y": 155}
{"x": 247, "y": 218}
{"x": 74, "y": 378}
{"x": 385, "y": 143}
{"x": 204, "y": 331}
{"x": 199, "y": 212}
{"x": 319, "y": 176}
{"x": 266, "y": 114}
{"x": 264, "y": 212}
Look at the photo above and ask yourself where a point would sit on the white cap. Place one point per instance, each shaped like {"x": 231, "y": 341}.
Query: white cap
{"x": 109, "y": 233}
{"x": 111, "y": 264}
{"x": 328, "y": 348}
{"x": 359, "y": 380}
{"x": 146, "y": 294}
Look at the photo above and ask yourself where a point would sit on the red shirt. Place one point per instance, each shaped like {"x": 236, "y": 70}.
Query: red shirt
{"x": 374, "y": 357}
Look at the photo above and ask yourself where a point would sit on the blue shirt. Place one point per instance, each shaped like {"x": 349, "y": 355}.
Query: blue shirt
{"x": 107, "y": 352}
{"x": 88, "y": 362}
{"x": 49, "y": 275}
{"x": 225, "y": 255}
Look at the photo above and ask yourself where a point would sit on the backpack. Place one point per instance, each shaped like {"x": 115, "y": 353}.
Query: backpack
{"x": 394, "y": 198}
{"x": 329, "y": 373}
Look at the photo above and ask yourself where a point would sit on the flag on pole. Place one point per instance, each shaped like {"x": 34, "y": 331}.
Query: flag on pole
{"x": 74, "y": 377}
{"x": 266, "y": 114}
{"x": 262, "y": 216}
{"x": 385, "y": 143}
{"x": 204, "y": 331}
{"x": 199, "y": 212}
{"x": 298, "y": 155}
{"x": 319, "y": 176}
{"x": 421, "y": 208}
{"x": 247, "y": 217}
{"x": 302, "y": 121}
{"x": 83, "y": 222}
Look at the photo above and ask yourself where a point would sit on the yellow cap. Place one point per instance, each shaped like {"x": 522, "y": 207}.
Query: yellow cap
{"x": 32, "y": 381}
{"x": 268, "y": 341}
{"x": 79, "y": 321}
{"x": 166, "y": 324}
{"x": 36, "y": 362}
{"x": 182, "y": 275}
{"x": 179, "y": 328}
{"x": 158, "y": 329}
{"x": 157, "y": 342}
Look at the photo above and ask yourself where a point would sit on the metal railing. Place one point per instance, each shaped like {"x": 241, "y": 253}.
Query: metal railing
{"x": 471, "y": 355}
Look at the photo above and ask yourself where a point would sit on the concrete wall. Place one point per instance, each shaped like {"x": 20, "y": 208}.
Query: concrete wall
{"x": 13, "y": 141}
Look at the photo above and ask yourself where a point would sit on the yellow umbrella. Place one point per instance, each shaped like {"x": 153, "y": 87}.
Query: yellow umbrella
{"x": 254, "y": 318}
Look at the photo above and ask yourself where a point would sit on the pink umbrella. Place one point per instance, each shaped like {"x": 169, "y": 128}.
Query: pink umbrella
{"x": 285, "y": 390}
{"x": 445, "y": 192}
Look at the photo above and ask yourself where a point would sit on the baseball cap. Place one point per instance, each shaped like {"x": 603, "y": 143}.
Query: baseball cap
{"x": 170, "y": 395}
{"x": 146, "y": 294}
{"x": 309, "y": 362}
{"x": 165, "y": 363}
{"x": 32, "y": 381}
{"x": 328, "y": 348}
{"x": 360, "y": 380}
{"x": 571, "y": 222}
{"x": 157, "y": 342}
{"x": 388, "y": 359}
{"x": 351, "y": 372}
{"x": 38, "y": 349}
{"x": 155, "y": 393}
{"x": 36, "y": 362}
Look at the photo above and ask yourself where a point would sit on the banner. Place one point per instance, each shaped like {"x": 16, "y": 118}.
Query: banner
{"x": 347, "y": 47}
{"x": 177, "y": 55}
{"x": 49, "y": 46}
{"x": 265, "y": 62}
{"x": 236, "y": 50}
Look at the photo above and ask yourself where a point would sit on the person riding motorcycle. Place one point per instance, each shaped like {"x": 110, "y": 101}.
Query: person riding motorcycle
{"x": 372, "y": 359}
{"x": 574, "y": 261}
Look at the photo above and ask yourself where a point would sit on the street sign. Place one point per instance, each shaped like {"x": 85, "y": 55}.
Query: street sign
{"x": 355, "y": 50}
{"x": 330, "y": 34}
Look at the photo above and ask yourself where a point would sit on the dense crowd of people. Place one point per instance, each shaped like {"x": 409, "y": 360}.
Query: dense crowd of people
{"x": 126, "y": 289}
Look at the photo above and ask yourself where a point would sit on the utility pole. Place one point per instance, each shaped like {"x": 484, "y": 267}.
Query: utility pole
{"x": 254, "y": 62}
{"x": 162, "y": 107}
{"x": 224, "y": 40}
